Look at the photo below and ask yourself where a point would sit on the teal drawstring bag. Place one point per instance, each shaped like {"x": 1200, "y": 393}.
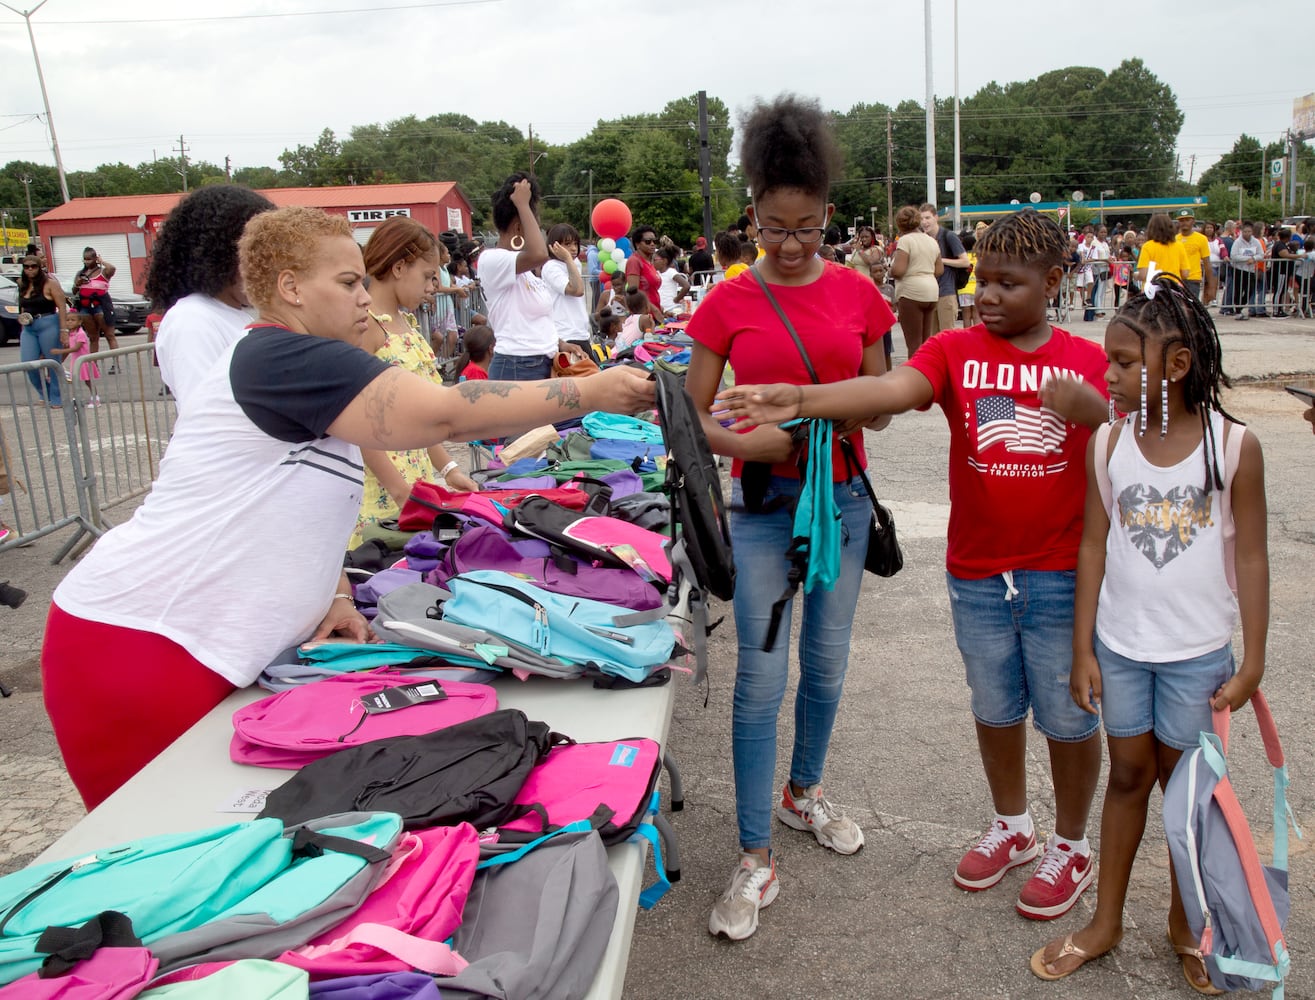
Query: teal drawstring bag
{"x": 814, "y": 551}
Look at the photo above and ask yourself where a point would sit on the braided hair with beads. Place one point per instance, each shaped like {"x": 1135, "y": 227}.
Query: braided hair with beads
{"x": 1170, "y": 316}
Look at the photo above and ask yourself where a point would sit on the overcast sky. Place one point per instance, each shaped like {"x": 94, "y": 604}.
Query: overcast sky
{"x": 126, "y": 78}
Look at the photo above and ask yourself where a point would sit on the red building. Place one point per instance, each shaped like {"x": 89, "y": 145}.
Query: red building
{"x": 123, "y": 228}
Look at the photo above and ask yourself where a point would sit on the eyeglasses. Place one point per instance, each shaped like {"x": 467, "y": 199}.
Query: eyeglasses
{"x": 31, "y": 267}
{"x": 778, "y": 234}
{"x": 649, "y": 239}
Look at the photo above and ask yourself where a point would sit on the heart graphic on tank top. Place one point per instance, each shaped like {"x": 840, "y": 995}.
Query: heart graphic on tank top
{"x": 1162, "y": 526}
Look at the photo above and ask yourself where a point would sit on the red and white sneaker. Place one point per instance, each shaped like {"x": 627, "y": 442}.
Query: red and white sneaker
{"x": 999, "y": 850}
{"x": 1061, "y": 877}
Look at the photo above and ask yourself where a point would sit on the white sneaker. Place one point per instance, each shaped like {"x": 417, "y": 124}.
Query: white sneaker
{"x": 753, "y": 886}
{"x": 812, "y": 812}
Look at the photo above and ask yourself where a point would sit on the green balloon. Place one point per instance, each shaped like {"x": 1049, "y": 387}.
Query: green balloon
{"x": 609, "y": 266}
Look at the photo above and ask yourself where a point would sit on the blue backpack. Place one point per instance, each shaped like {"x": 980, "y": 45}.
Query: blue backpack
{"x": 1236, "y": 906}
{"x": 246, "y": 890}
{"x": 574, "y": 629}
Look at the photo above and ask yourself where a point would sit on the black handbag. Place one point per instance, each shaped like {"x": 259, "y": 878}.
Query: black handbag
{"x": 885, "y": 558}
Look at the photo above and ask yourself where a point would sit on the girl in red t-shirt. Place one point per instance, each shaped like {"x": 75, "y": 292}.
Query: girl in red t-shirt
{"x": 840, "y": 316}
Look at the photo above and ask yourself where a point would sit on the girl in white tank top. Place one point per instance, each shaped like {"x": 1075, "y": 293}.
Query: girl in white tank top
{"x": 1173, "y": 546}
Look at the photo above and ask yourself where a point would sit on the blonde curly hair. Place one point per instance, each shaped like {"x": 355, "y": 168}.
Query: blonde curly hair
{"x": 286, "y": 239}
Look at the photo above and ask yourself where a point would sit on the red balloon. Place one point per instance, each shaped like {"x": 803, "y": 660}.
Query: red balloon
{"x": 611, "y": 218}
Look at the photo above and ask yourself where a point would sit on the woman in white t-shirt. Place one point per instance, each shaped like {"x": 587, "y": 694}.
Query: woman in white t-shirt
{"x": 194, "y": 277}
{"x": 518, "y": 301}
{"x": 236, "y": 554}
{"x": 570, "y": 312}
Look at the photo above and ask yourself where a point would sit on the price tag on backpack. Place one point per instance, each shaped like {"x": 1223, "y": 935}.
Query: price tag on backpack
{"x": 394, "y": 698}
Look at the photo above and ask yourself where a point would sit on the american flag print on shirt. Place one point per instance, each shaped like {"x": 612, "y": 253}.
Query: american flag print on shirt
{"x": 1023, "y": 430}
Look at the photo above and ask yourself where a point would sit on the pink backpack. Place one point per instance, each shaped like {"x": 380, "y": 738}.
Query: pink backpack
{"x": 292, "y": 728}
{"x": 109, "y": 974}
{"x": 403, "y": 923}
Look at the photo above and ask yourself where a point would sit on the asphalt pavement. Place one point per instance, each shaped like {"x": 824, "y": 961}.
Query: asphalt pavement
{"x": 887, "y": 922}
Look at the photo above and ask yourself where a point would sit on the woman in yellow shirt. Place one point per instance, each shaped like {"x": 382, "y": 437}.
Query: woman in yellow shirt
{"x": 1163, "y": 248}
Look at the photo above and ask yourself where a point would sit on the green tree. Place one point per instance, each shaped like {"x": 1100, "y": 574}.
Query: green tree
{"x": 316, "y": 165}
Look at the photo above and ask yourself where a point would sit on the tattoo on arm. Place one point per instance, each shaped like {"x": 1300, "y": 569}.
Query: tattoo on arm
{"x": 567, "y": 393}
{"x": 475, "y": 391}
{"x": 380, "y": 395}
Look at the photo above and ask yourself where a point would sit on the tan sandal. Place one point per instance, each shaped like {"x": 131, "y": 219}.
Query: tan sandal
{"x": 1038, "y": 963}
{"x": 1184, "y": 952}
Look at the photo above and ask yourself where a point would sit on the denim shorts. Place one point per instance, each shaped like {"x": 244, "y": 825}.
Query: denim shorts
{"x": 1170, "y": 699}
{"x": 1018, "y": 651}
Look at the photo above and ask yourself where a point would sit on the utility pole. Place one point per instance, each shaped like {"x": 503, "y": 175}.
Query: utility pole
{"x": 31, "y": 222}
{"x": 705, "y": 166}
{"x": 890, "y": 175}
{"x": 931, "y": 106}
{"x": 45, "y": 99}
{"x": 228, "y": 167}
{"x": 182, "y": 160}
{"x": 1191, "y": 167}
{"x": 532, "y": 158}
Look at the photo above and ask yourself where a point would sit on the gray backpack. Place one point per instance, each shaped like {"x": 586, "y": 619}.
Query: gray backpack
{"x": 1236, "y": 906}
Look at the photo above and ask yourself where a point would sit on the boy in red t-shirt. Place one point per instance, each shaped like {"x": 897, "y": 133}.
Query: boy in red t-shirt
{"x": 1021, "y": 398}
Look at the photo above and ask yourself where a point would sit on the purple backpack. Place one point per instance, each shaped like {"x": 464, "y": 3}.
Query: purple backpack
{"x": 486, "y": 547}
{"x": 292, "y": 728}
{"x": 389, "y": 986}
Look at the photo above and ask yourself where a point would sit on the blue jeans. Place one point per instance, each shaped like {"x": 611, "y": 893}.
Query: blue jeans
{"x": 760, "y": 542}
{"x": 520, "y": 368}
{"x": 1018, "y": 650}
{"x": 37, "y": 340}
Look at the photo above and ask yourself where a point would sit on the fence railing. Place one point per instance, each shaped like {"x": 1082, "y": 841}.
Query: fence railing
{"x": 1280, "y": 287}
{"x": 70, "y": 463}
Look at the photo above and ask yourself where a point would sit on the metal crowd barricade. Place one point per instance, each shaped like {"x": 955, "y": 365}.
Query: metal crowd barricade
{"x": 1288, "y": 285}
{"x": 125, "y": 417}
{"x": 44, "y": 460}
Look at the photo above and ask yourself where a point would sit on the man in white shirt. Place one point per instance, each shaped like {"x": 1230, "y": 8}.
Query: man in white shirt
{"x": 1246, "y": 251}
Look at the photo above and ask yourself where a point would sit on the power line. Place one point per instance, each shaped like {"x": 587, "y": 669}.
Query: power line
{"x": 270, "y": 16}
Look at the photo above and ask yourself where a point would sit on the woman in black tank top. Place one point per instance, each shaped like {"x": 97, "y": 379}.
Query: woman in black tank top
{"x": 42, "y": 309}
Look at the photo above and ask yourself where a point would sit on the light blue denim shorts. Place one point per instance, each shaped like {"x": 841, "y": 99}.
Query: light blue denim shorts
{"x": 1170, "y": 699}
{"x": 1018, "y": 650}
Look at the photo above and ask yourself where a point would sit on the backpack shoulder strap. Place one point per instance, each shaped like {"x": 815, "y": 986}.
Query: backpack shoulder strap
{"x": 1106, "y": 439}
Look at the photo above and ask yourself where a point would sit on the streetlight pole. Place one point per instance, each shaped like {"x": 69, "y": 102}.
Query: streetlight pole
{"x": 41, "y": 79}
{"x": 873, "y": 210}
{"x": 1239, "y": 189}
{"x": 1103, "y": 196}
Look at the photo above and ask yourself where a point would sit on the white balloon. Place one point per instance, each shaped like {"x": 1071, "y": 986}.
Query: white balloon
{"x": 607, "y": 244}
{"x": 619, "y": 255}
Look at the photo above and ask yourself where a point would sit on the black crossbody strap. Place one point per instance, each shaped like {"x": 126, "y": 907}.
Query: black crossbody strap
{"x": 789, "y": 327}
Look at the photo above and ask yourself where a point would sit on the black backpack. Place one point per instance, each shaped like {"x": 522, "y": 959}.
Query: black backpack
{"x": 700, "y": 547}
{"x": 470, "y": 772}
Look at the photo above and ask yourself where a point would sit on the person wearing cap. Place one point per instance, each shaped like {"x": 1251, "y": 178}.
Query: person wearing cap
{"x": 701, "y": 264}
{"x": 1196, "y": 255}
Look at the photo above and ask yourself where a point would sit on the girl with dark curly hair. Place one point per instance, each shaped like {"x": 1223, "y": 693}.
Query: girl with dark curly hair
{"x": 788, "y": 155}
{"x": 194, "y": 276}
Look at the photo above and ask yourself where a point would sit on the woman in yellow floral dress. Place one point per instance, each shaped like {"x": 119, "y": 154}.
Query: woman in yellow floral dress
{"x": 402, "y": 261}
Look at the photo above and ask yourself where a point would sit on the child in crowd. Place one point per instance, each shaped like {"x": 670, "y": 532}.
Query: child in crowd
{"x": 638, "y": 324}
{"x": 609, "y": 327}
{"x": 727, "y": 246}
{"x": 474, "y": 362}
{"x": 967, "y": 308}
{"x": 79, "y": 346}
{"x": 789, "y": 156}
{"x": 1154, "y": 618}
{"x": 1021, "y": 398}
{"x": 634, "y": 328}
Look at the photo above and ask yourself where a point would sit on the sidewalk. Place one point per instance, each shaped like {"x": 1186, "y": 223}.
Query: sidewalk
{"x": 886, "y": 922}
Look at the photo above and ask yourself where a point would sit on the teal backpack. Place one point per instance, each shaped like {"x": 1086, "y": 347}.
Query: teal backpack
{"x": 247, "y": 890}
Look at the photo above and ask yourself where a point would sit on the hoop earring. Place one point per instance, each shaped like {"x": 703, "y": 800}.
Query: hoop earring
{"x": 518, "y": 242}
{"x": 1164, "y": 407}
{"x": 1141, "y": 424}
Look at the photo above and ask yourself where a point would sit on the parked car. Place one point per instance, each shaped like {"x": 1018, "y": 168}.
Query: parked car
{"x": 9, "y": 326}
